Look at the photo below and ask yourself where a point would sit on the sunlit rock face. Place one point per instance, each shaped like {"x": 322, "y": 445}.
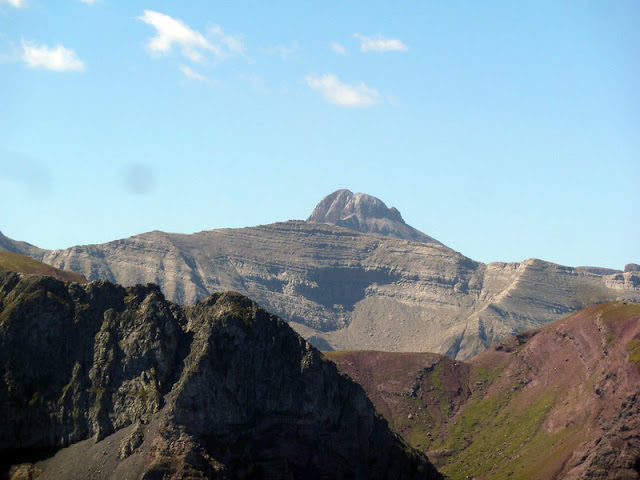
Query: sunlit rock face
{"x": 366, "y": 214}
{"x": 344, "y": 289}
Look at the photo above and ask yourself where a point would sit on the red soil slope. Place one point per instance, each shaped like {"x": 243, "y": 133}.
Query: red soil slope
{"x": 559, "y": 402}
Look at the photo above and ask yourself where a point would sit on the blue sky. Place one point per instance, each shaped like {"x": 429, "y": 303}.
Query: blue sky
{"x": 507, "y": 130}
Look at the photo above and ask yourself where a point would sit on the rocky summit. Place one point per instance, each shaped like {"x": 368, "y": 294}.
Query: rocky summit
{"x": 105, "y": 382}
{"x": 366, "y": 214}
{"x": 344, "y": 289}
{"x": 562, "y": 401}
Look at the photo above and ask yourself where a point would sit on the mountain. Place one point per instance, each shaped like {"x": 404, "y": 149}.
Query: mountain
{"x": 562, "y": 401}
{"x": 105, "y": 382}
{"x": 344, "y": 289}
{"x": 16, "y": 246}
{"x": 366, "y": 214}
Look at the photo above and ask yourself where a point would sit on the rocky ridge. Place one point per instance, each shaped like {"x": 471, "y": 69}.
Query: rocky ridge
{"x": 120, "y": 383}
{"x": 558, "y": 402}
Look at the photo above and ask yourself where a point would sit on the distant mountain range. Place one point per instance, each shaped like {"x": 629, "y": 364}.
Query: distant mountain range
{"x": 561, "y": 402}
{"x": 354, "y": 276}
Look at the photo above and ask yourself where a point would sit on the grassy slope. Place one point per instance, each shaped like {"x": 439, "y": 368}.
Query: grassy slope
{"x": 23, "y": 264}
{"x": 538, "y": 403}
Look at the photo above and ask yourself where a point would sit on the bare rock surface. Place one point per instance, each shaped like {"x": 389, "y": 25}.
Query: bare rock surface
{"x": 354, "y": 290}
{"x": 366, "y": 214}
{"x": 105, "y": 382}
{"x": 355, "y": 276}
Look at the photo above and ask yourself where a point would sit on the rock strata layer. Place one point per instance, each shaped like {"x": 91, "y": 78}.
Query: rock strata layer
{"x": 349, "y": 290}
{"x": 121, "y": 383}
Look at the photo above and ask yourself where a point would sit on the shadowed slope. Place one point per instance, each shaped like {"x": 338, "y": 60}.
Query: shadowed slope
{"x": 128, "y": 385}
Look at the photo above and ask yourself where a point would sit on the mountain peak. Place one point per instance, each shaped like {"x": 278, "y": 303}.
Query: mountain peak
{"x": 365, "y": 213}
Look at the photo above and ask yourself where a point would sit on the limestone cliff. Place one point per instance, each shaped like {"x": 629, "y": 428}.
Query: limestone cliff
{"x": 105, "y": 382}
{"x": 349, "y": 290}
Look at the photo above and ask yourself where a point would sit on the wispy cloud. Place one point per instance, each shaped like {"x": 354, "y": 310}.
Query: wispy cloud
{"x": 15, "y": 3}
{"x": 192, "y": 44}
{"x": 284, "y": 51}
{"x": 380, "y": 44}
{"x": 57, "y": 59}
{"x": 338, "y": 93}
{"x": 192, "y": 74}
{"x": 89, "y": 2}
{"x": 170, "y": 32}
{"x": 233, "y": 44}
{"x": 338, "y": 48}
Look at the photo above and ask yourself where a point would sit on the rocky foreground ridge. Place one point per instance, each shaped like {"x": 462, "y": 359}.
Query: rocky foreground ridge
{"x": 105, "y": 382}
{"x": 344, "y": 289}
{"x": 561, "y": 402}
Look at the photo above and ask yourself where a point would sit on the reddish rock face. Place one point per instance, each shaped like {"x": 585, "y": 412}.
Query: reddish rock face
{"x": 558, "y": 402}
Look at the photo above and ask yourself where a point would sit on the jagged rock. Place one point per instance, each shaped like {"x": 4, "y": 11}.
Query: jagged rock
{"x": 132, "y": 442}
{"x": 632, "y": 267}
{"x": 127, "y": 384}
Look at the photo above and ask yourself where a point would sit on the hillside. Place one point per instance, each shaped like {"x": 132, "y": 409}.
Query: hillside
{"x": 343, "y": 289}
{"x": 558, "y": 402}
{"x": 23, "y": 264}
{"x": 105, "y": 382}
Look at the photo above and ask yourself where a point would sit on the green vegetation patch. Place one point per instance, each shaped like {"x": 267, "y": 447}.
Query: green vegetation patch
{"x": 615, "y": 311}
{"x": 633, "y": 347}
{"x": 493, "y": 436}
{"x": 482, "y": 377}
{"x": 23, "y": 264}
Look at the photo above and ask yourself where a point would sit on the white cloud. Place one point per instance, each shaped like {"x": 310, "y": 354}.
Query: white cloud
{"x": 338, "y": 93}
{"x": 15, "y": 3}
{"x": 192, "y": 44}
{"x": 58, "y": 58}
{"x": 89, "y": 2}
{"x": 192, "y": 74}
{"x": 380, "y": 44}
{"x": 170, "y": 31}
{"x": 338, "y": 48}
